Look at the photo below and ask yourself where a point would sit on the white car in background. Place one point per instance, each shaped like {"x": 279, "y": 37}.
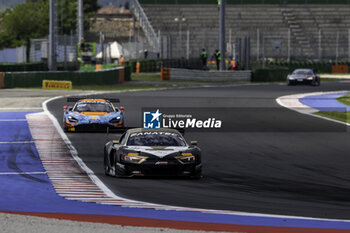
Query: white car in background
{"x": 303, "y": 76}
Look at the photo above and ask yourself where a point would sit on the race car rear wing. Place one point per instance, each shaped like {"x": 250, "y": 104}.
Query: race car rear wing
{"x": 76, "y": 99}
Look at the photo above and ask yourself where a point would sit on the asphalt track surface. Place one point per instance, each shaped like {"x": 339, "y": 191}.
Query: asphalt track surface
{"x": 267, "y": 159}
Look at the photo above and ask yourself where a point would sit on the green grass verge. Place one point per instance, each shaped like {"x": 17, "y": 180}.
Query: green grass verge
{"x": 88, "y": 67}
{"x": 333, "y": 75}
{"x": 124, "y": 87}
{"x": 339, "y": 116}
{"x": 344, "y": 99}
{"x": 156, "y": 77}
{"x": 145, "y": 77}
{"x": 324, "y": 80}
{"x": 121, "y": 87}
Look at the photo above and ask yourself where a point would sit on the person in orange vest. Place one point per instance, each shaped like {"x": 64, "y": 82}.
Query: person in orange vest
{"x": 232, "y": 65}
{"x": 121, "y": 60}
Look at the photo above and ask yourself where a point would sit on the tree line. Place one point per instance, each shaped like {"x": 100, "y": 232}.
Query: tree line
{"x": 31, "y": 20}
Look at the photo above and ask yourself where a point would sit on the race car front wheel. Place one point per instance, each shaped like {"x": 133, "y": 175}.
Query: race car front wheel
{"x": 197, "y": 176}
{"x": 106, "y": 167}
{"x": 315, "y": 82}
{"x": 290, "y": 83}
{"x": 118, "y": 172}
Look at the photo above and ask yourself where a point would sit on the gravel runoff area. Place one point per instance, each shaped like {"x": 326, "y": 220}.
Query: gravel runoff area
{"x": 17, "y": 100}
{"x": 14, "y": 100}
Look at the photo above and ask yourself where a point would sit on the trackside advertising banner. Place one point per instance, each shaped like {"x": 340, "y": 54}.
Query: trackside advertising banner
{"x": 233, "y": 120}
{"x": 57, "y": 85}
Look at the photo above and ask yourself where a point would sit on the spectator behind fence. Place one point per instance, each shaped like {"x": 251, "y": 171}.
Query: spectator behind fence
{"x": 218, "y": 59}
{"x": 204, "y": 57}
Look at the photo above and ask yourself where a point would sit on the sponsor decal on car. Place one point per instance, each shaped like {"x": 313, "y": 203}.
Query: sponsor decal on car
{"x": 153, "y": 133}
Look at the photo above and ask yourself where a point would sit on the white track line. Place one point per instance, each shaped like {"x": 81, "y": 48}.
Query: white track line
{"x": 18, "y": 142}
{"x": 92, "y": 181}
{"x": 25, "y": 108}
{"x": 22, "y": 173}
{"x": 12, "y": 120}
{"x": 292, "y": 102}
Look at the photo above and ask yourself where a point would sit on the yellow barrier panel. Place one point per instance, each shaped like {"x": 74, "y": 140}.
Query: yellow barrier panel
{"x": 57, "y": 85}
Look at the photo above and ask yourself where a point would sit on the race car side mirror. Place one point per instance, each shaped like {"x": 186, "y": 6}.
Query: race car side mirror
{"x": 121, "y": 108}
{"x": 194, "y": 143}
{"x": 69, "y": 108}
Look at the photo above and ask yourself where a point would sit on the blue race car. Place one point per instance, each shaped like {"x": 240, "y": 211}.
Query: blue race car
{"x": 92, "y": 115}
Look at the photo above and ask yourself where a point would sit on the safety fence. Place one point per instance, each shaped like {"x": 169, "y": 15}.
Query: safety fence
{"x": 142, "y": 18}
{"x": 287, "y": 32}
{"x": 265, "y": 43}
{"x": 278, "y": 71}
{"x": 154, "y": 65}
{"x": 104, "y": 53}
{"x": 65, "y": 49}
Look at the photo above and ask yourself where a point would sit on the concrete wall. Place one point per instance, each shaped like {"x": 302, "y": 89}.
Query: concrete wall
{"x": 200, "y": 75}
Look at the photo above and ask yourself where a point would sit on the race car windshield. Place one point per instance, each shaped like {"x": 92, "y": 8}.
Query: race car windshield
{"x": 93, "y": 107}
{"x": 156, "y": 140}
{"x": 306, "y": 72}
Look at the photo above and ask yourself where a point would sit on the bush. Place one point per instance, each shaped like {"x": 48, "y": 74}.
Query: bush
{"x": 127, "y": 74}
{"x": 18, "y": 67}
{"x": 320, "y": 67}
{"x": 269, "y": 75}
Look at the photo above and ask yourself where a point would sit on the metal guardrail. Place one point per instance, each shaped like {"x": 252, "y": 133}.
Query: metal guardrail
{"x": 150, "y": 34}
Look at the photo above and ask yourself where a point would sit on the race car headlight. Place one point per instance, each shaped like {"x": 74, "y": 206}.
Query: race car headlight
{"x": 115, "y": 120}
{"x": 134, "y": 158}
{"x": 290, "y": 78}
{"x": 186, "y": 158}
{"x": 309, "y": 77}
{"x": 72, "y": 119}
